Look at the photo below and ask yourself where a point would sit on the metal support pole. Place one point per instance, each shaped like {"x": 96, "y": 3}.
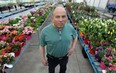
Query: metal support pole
{"x": 99, "y": 3}
{"x": 89, "y": 1}
{"x": 93, "y": 2}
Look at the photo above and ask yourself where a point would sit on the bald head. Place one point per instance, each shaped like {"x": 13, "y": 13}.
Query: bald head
{"x": 59, "y": 17}
{"x": 59, "y": 9}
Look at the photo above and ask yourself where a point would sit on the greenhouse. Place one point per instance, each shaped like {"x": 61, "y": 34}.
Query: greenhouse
{"x": 57, "y": 36}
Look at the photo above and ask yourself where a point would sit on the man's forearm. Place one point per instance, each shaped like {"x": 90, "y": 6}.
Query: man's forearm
{"x": 74, "y": 43}
{"x": 42, "y": 52}
{"x": 43, "y": 57}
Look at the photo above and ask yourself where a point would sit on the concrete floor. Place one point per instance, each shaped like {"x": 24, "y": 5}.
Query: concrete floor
{"x": 29, "y": 60}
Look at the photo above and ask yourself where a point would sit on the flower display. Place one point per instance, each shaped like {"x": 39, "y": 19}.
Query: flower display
{"x": 28, "y": 30}
{"x": 98, "y": 34}
{"x": 109, "y": 60}
{"x": 15, "y": 32}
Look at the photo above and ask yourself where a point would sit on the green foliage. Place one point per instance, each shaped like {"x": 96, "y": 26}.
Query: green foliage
{"x": 7, "y": 60}
{"x": 14, "y": 21}
{"x": 98, "y": 30}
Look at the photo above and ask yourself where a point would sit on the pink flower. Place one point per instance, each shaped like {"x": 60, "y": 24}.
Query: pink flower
{"x": 109, "y": 58}
{"x": 109, "y": 49}
{"x": 32, "y": 12}
{"x": 28, "y": 30}
{"x": 114, "y": 69}
{"x": 110, "y": 64}
{"x": 34, "y": 21}
{"x": 105, "y": 55}
{"x": 24, "y": 18}
{"x": 102, "y": 65}
{"x": 96, "y": 52}
{"x": 110, "y": 69}
{"x": 5, "y": 30}
{"x": 11, "y": 19}
{"x": 6, "y": 22}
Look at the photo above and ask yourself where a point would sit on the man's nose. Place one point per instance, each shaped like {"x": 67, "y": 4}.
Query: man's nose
{"x": 61, "y": 18}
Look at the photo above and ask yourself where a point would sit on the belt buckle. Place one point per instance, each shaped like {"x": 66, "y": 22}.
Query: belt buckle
{"x": 60, "y": 58}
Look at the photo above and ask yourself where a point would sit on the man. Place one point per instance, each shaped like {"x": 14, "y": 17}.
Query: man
{"x": 59, "y": 40}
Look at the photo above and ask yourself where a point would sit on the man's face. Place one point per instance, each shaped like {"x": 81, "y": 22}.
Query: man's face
{"x": 59, "y": 18}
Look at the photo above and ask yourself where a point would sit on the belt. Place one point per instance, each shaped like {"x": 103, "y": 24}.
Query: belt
{"x": 50, "y": 56}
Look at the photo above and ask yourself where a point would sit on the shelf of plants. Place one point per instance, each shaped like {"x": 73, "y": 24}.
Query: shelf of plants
{"x": 97, "y": 36}
{"x": 16, "y": 33}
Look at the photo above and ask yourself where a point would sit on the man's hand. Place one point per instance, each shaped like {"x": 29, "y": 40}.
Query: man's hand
{"x": 45, "y": 62}
{"x": 72, "y": 47}
{"x": 70, "y": 51}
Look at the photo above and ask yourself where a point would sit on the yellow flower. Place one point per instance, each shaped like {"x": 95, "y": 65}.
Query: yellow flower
{"x": 111, "y": 33}
{"x": 114, "y": 50}
{"x": 108, "y": 32}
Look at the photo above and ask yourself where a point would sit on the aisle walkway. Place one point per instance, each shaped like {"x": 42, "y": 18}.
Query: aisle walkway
{"x": 30, "y": 60}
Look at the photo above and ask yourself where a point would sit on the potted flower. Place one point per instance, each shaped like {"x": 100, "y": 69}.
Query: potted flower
{"x": 16, "y": 47}
{"x": 3, "y": 44}
{"x": 28, "y": 30}
{"x": 7, "y": 59}
{"x": 108, "y": 60}
{"x": 20, "y": 37}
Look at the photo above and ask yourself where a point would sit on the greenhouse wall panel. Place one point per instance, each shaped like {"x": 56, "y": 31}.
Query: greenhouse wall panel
{"x": 111, "y": 1}
{"x": 96, "y": 4}
{"x": 87, "y": 1}
{"x": 103, "y": 4}
{"x": 37, "y": 0}
{"x": 7, "y": 1}
{"x": 78, "y": 1}
{"x": 91, "y": 3}
{"x": 26, "y": 0}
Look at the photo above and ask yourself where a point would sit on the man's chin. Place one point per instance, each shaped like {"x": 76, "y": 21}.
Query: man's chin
{"x": 60, "y": 27}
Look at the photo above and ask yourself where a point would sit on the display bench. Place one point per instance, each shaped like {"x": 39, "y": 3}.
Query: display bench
{"x": 10, "y": 67}
{"x": 85, "y": 50}
{"x": 92, "y": 60}
{"x": 8, "y": 10}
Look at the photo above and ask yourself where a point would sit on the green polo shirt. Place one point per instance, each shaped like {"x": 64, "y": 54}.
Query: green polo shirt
{"x": 57, "y": 42}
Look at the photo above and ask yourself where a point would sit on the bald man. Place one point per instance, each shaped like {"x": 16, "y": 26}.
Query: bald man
{"x": 59, "y": 39}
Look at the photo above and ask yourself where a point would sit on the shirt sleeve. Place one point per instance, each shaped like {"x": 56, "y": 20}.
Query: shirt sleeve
{"x": 74, "y": 32}
{"x": 42, "y": 39}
